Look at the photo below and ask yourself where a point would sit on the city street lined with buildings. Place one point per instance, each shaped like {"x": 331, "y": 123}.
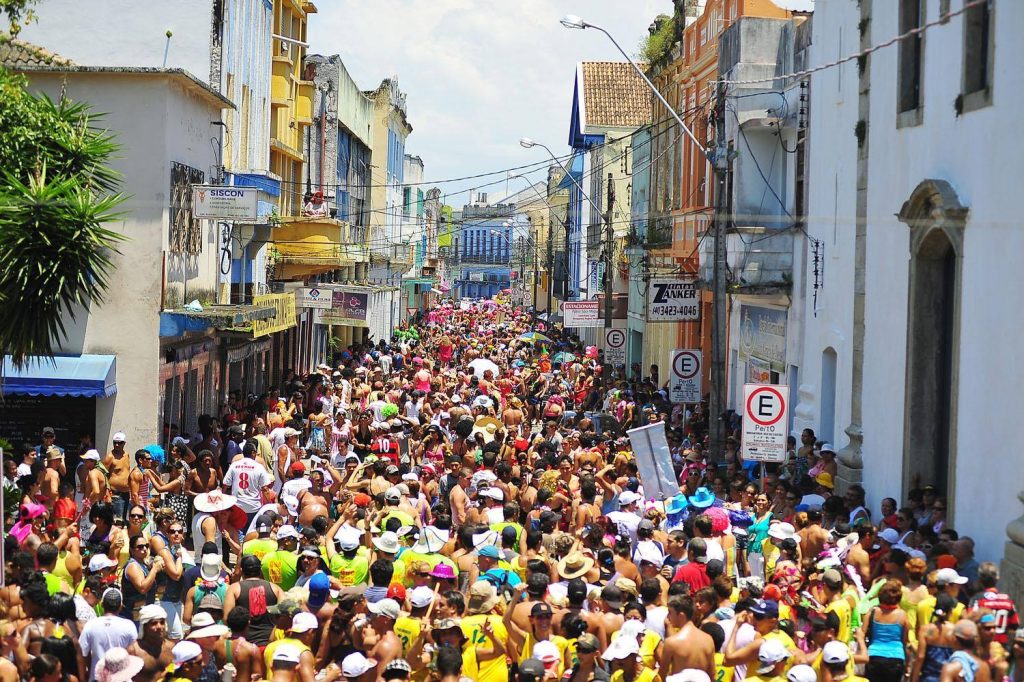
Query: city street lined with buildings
{"x": 719, "y": 360}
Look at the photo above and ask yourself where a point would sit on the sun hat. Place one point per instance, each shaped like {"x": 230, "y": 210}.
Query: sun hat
{"x": 421, "y": 596}
{"x": 430, "y": 541}
{"x": 387, "y": 542}
{"x": 574, "y": 565}
{"x": 99, "y": 562}
{"x": 214, "y": 501}
{"x": 356, "y": 664}
{"x": 203, "y": 625}
{"x": 701, "y": 499}
{"x": 824, "y": 479}
{"x": 287, "y": 653}
{"x": 771, "y": 653}
{"x": 209, "y": 567}
{"x": 385, "y": 607}
{"x": 676, "y": 504}
{"x": 782, "y": 531}
{"x": 443, "y": 571}
{"x": 482, "y": 597}
{"x": 117, "y": 665}
{"x": 184, "y": 651}
{"x": 304, "y": 621}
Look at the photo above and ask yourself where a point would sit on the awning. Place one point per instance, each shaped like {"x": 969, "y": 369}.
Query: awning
{"x": 82, "y": 376}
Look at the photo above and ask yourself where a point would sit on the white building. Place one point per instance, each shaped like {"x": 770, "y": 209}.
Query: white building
{"x": 913, "y": 168}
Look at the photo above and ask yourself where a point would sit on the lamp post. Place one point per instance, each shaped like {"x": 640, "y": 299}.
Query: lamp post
{"x": 718, "y": 157}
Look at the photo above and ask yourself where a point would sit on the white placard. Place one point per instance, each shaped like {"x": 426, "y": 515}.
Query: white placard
{"x": 615, "y": 346}
{"x": 580, "y": 314}
{"x": 764, "y": 422}
{"x": 654, "y": 461}
{"x": 672, "y": 300}
{"x": 224, "y": 202}
{"x": 314, "y": 297}
{"x": 685, "y": 375}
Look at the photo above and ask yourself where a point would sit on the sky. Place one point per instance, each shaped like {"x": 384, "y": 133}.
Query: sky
{"x": 478, "y": 74}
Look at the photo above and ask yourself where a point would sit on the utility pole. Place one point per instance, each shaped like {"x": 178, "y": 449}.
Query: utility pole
{"x": 608, "y": 278}
{"x": 551, "y": 263}
{"x": 723, "y": 203}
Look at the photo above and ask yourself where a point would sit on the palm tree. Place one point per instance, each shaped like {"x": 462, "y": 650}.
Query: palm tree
{"x": 57, "y": 194}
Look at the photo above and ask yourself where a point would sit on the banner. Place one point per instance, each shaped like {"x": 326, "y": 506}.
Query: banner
{"x": 763, "y": 336}
{"x": 314, "y": 297}
{"x": 347, "y": 307}
{"x": 580, "y": 314}
{"x": 672, "y": 300}
{"x": 653, "y": 459}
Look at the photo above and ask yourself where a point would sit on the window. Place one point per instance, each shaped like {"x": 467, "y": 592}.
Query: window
{"x": 978, "y": 54}
{"x": 406, "y": 201}
{"x": 910, "y": 63}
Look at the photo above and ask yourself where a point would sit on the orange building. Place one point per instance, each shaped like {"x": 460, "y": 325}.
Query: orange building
{"x": 682, "y": 182}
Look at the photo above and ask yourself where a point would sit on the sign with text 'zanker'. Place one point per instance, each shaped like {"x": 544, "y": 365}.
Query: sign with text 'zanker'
{"x": 685, "y": 378}
{"x": 615, "y": 346}
{"x": 672, "y": 300}
{"x": 223, "y": 202}
{"x": 764, "y": 422}
{"x": 580, "y": 314}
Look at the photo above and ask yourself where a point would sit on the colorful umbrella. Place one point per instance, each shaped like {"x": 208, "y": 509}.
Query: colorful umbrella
{"x": 564, "y": 356}
{"x": 534, "y": 337}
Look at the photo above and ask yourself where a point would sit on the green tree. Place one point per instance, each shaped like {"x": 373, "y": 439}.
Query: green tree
{"x": 17, "y": 12}
{"x": 57, "y": 194}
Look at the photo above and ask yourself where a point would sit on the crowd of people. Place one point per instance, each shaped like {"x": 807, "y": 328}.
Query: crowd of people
{"x": 462, "y": 502}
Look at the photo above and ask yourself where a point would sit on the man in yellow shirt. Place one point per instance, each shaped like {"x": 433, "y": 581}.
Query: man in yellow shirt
{"x": 486, "y": 634}
{"x": 837, "y": 603}
{"x": 836, "y": 659}
{"x": 300, "y": 635}
{"x": 772, "y": 658}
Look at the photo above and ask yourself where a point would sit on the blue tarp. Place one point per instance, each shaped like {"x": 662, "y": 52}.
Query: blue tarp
{"x": 176, "y": 324}
{"x": 83, "y": 376}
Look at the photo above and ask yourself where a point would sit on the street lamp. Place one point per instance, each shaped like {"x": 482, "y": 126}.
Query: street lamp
{"x": 719, "y": 160}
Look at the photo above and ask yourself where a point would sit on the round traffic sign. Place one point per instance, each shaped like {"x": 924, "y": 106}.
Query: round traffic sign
{"x": 765, "y": 405}
{"x": 615, "y": 338}
{"x": 685, "y": 364}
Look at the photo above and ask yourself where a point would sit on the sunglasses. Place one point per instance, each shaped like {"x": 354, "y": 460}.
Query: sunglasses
{"x": 136, "y": 516}
{"x": 176, "y": 530}
{"x": 141, "y": 547}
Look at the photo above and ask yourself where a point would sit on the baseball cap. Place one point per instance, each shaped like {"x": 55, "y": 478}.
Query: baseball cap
{"x": 356, "y": 664}
{"x": 287, "y": 653}
{"x": 628, "y": 497}
{"x": 396, "y": 591}
{"x": 649, "y": 552}
{"x": 392, "y": 494}
{"x": 285, "y": 532}
{"x": 184, "y": 651}
{"x": 832, "y": 578}
{"x": 98, "y": 562}
{"x": 385, "y": 607}
{"x": 319, "y": 588}
{"x": 349, "y": 538}
{"x": 489, "y": 551}
{"x": 771, "y": 653}
{"x": 303, "y": 621}
{"x": 765, "y": 608}
{"x": 804, "y": 673}
{"x": 949, "y": 576}
{"x": 119, "y": 437}
{"x": 531, "y": 670}
{"x": 587, "y": 643}
{"x": 540, "y": 610}
{"x": 835, "y": 652}
{"x": 966, "y": 629}
{"x": 91, "y": 454}
{"x": 298, "y": 468}
{"x": 622, "y": 647}
{"x": 286, "y": 607}
{"x": 421, "y": 596}
{"x": 890, "y": 535}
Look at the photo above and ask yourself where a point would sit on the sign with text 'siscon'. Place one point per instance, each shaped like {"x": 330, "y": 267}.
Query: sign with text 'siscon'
{"x": 766, "y": 407}
{"x": 224, "y": 202}
{"x": 672, "y": 300}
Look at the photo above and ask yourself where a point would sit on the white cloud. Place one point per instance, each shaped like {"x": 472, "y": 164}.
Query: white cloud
{"x": 479, "y": 74}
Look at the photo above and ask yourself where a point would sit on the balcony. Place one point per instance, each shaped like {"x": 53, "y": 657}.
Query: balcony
{"x": 280, "y": 81}
{"x": 312, "y": 245}
{"x": 759, "y": 258}
{"x": 304, "y": 102}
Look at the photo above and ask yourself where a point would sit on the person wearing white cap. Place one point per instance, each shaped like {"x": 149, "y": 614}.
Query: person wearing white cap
{"x": 188, "y": 662}
{"x": 118, "y": 464}
{"x": 772, "y": 657}
{"x": 493, "y": 499}
{"x": 805, "y": 673}
{"x": 153, "y": 645}
{"x": 408, "y": 627}
{"x": 281, "y": 566}
{"x": 300, "y": 635}
{"x": 383, "y": 616}
{"x": 357, "y": 668}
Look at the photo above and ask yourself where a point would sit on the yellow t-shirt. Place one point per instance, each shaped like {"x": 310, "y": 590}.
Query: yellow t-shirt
{"x": 350, "y": 572}
{"x": 844, "y": 612}
{"x": 494, "y": 670}
{"x": 926, "y": 608}
{"x": 723, "y": 673}
{"x": 407, "y": 629}
{"x": 268, "y": 653}
{"x": 787, "y": 642}
{"x": 648, "y": 647}
{"x": 645, "y": 675}
{"x": 561, "y": 642}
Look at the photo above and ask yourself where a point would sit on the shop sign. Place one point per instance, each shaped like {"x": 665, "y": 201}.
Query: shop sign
{"x": 222, "y": 202}
{"x": 314, "y": 297}
{"x": 346, "y": 306}
{"x": 284, "y": 317}
{"x": 672, "y": 300}
{"x": 580, "y": 314}
{"x": 763, "y": 336}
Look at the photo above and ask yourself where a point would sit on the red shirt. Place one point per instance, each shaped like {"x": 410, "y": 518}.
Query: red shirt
{"x": 65, "y": 509}
{"x": 1002, "y": 608}
{"x": 693, "y": 574}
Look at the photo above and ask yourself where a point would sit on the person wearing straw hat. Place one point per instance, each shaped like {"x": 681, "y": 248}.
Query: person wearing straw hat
{"x": 486, "y": 634}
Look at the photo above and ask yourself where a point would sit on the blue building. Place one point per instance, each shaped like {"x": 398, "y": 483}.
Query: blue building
{"x": 484, "y": 248}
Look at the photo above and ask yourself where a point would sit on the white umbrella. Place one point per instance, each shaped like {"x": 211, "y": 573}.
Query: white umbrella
{"x": 481, "y": 365}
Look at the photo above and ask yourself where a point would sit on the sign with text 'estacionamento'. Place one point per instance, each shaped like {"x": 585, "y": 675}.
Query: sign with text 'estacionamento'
{"x": 672, "y": 300}
{"x": 765, "y": 407}
{"x": 580, "y": 314}
{"x": 223, "y": 202}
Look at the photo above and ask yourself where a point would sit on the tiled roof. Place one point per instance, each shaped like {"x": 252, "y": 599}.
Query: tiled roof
{"x": 615, "y": 95}
{"x": 15, "y": 53}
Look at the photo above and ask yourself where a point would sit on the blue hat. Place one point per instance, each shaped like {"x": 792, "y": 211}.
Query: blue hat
{"x": 488, "y": 551}
{"x": 156, "y": 452}
{"x": 765, "y": 608}
{"x": 676, "y": 504}
{"x": 319, "y": 587}
{"x": 702, "y": 499}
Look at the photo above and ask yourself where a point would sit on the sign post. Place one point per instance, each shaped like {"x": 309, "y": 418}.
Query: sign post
{"x": 615, "y": 346}
{"x": 764, "y": 422}
{"x": 685, "y": 378}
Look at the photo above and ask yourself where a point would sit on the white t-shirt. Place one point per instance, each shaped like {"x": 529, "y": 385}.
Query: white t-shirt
{"x": 295, "y": 486}
{"x": 104, "y": 633}
{"x": 745, "y": 636}
{"x": 655, "y": 622}
{"x": 24, "y": 470}
{"x": 715, "y": 550}
{"x": 276, "y": 437}
{"x": 246, "y": 478}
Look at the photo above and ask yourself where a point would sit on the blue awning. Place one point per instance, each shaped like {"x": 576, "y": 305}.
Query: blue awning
{"x": 83, "y": 376}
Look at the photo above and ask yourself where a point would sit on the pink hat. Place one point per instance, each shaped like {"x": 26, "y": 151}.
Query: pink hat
{"x": 443, "y": 571}
{"x": 117, "y": 665}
